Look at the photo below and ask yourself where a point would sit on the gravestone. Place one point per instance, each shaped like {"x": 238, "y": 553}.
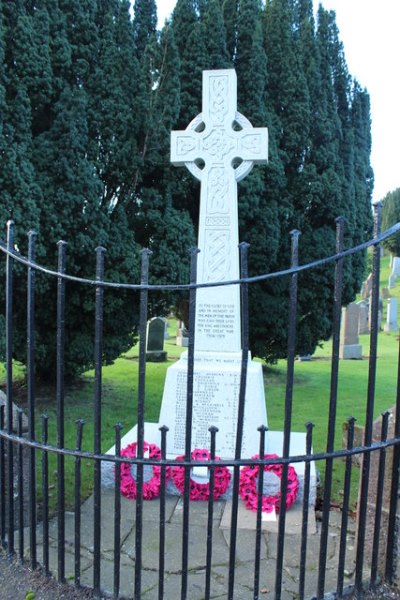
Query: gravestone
{"x": 217, "y": 138}
{"x": 363, "y": 326}
{"x": 391, "y": 316}
{"x": 166, "y": 332}
{"x": 385, "y": 294}
{"x": 395, "y": 272}
{"x": 15, "y": 409}
{"x": 350, "y": 348}
{"x": 396, "y": 266}
{"x": 155, "y": 340}
{"x": 182, "y": 335}
{"x": 366, "y": 287}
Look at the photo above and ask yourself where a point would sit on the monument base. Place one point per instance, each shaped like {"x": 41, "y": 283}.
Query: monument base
{"x": 351, "y": 352}
{"x": 152, "y": 435}
{"x": 216, "y": 386}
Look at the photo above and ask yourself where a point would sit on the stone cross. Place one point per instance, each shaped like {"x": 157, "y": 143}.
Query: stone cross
{"x": 219, "y": 147}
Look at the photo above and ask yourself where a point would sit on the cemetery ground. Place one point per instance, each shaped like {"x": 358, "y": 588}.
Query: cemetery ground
{"x": 310, "y": 400}
{"x": 310, "y": 403}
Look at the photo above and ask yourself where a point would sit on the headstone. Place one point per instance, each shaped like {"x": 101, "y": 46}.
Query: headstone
{"x": 363, "y": 326}
{"x": 182, "y": 335}
{"x": 367, "y": 287}
{"x": 155, "y": 340}
{"x": 3, "y": 402}
{"x": 350, "y": 348}
{"x": 166, "y": 332}
{"x": 385, "y": 294}
{"x": 304, "y": 357}
{"x": 391, "y": 316}
{"x": 396, "y": 266}
{"x": 217, "y": 138}
{"x": 395, "y": 273}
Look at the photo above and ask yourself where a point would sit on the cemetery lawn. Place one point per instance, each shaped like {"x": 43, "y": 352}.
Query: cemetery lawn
{"x": 310, "y": 401}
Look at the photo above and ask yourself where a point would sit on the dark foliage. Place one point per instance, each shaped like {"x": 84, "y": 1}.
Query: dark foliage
{"x": 85, "y": 121}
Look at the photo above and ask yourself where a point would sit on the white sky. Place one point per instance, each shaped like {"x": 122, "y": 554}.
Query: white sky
{"x": 369, "y": 32}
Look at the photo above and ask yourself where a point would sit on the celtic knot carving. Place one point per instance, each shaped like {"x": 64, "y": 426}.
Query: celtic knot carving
{"x": 218, "y": 256}
{"x": 219, "y": 99}
{"x": 185, "y": 145}
{"x": 218, "y": 191}
{"x": 218, "y": 144}
{"x": 252, "y": 143}
{"x": 218, "y": 221}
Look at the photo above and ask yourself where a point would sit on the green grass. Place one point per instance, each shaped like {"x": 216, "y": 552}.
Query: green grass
{"x": 310, "y": 399}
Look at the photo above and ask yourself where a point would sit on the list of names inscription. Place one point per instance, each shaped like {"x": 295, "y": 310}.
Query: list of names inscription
{"x": 215, "y": 402}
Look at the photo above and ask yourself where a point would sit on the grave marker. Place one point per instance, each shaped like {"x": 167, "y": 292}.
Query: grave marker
{"x": 350, "y": 348}
{"x": 155, "y": 340}
{"x": 391, "y": 317}
{"x": 363, "y": 318}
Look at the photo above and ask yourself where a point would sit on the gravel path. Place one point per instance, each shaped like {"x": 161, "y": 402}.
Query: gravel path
{"x": 18, "y": 582}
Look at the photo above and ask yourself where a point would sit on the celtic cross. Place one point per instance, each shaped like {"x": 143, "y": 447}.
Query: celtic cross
{"x": 219, "y": 147}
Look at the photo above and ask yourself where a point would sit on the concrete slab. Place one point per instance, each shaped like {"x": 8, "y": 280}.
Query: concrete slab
{"x": 247, "y": 519}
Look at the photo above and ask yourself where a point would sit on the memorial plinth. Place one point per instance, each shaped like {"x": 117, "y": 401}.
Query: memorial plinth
{"x": 215, "y": 403}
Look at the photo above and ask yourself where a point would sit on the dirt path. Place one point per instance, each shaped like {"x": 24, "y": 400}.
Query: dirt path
{"x": 18, "y": 582}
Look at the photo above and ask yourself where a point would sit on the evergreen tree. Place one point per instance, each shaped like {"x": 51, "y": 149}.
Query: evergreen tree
{"x": 144, "y": 24}
{"x": 215, "y": 36}
{"x": 391, "y": 216}
{"x": 61, "y": 159}
{"x": 230, "y": 12}
{"x": 161, "y": 226}
{"x": 85, "y": 121}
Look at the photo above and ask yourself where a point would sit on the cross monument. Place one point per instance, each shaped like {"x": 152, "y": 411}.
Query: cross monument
{"x": 219, "y": 147}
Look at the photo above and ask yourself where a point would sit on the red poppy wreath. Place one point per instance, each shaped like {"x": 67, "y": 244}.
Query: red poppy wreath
{"x": 151, "y": 488}
{"x": 201, "y": 491}
{"x": 248, "y": 486}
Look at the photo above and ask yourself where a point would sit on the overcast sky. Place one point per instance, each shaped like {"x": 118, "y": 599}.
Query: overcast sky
{"x": 369, "y": 31}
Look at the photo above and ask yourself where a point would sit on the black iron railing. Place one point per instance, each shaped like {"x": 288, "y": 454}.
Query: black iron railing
{"x": 14, "y": 446}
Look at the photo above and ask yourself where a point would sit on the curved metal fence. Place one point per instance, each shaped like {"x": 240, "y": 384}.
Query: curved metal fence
{"x": 171, "y": 546}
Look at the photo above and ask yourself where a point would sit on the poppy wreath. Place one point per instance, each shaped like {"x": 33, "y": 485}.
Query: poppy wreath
{"x": 248, "y": 486}
{"x": 151, "y": 488}
{"x": 201, "y": 491}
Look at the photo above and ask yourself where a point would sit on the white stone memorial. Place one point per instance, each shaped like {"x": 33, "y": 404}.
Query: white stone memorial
{"x": 219, "y": 147}
{"x": 211, "y": 147}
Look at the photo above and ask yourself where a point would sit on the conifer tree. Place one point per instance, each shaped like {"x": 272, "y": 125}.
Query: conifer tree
{"x": 85, "y": 121}
{"x": 61, "y": 167}
{"x": 391, "y": 216}
{"x": 215, "y": 36}
{"x": 144, "y": 24}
